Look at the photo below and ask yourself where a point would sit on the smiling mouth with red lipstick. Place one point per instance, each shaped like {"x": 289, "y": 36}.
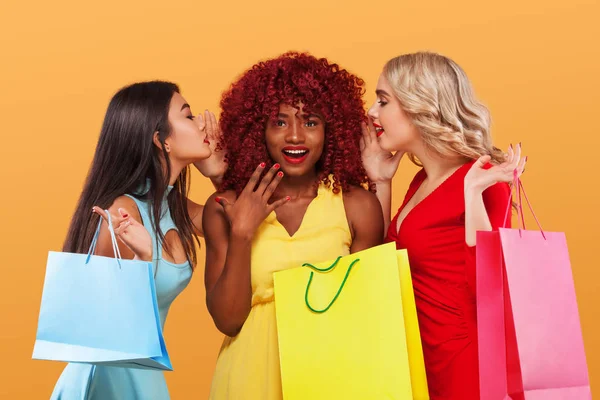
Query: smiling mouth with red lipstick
{"x": 295, "y": 154}
{"x": 378, "y": 129}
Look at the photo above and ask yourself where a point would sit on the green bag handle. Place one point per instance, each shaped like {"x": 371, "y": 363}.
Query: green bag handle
{"x": 331, "y": 267}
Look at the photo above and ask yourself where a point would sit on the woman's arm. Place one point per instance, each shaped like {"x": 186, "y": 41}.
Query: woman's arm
{"x": 229, "y": 226}
{"x": 364, "y": 218}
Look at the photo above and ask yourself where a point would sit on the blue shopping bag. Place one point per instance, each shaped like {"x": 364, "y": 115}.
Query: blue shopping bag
{"x": 100, "y": 310}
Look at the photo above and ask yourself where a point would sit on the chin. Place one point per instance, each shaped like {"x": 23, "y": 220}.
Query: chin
{"x": 391, "y": 146}
{"x": 294, "y": 171}
{"x": 201, "y": 157}
{"x": 297, "y": 170}
{"x": 206, "y": 154}
{"x": 384, "y": 144}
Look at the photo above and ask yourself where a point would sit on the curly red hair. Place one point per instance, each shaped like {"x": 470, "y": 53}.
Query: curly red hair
{"x": 294, "y": 78}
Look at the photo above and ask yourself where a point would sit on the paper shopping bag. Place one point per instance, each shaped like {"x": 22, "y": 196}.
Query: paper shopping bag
{"x": 100, "y": 310}
{"x": 342, "y": 330}
{"x": 530, "y": 341}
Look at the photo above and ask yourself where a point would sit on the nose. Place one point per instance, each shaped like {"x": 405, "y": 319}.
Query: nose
{"x": 295, "y": 133}
{"x": 373, "y": 112}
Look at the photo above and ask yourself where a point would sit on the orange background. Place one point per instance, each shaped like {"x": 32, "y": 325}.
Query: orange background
{"x": 535, "y": 63}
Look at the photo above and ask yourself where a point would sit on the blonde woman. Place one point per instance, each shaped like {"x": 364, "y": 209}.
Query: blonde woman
{"x": 426, "y": 108}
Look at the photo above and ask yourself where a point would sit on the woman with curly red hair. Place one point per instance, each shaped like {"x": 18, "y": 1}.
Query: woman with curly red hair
{"x": 298, "y": 118}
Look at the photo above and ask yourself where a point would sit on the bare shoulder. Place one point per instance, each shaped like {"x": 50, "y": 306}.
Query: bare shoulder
{"x": 211, "y": 204}
{"x": 104, "y": 245}
{"x": 357, "y": 197}
{"x": 361, "y": 206}
{"x": 365, "y": 218}
{"x": 199, "y": 213}
{"x": 216, "y": 234}
{"x": 128, "y": 204}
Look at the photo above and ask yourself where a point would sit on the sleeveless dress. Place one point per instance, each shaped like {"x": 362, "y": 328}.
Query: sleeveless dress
{"x": 96, "y": 382}
{"x": 248, "y": 364}
{"x": 443, "y": 272}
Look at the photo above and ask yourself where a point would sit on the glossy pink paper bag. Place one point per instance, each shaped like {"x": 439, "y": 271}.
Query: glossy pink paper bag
{"x": 530, "y": 341}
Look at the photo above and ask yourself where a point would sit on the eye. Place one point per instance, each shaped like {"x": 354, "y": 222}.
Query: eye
{"x": 382, "y": 103}
{"x": 190, "y": 117}
{"x": 280, "y": 122}
{"x": 311, "y": 123}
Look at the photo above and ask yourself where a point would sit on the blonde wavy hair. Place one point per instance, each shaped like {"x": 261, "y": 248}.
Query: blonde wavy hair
{"x": 437, "y": 95}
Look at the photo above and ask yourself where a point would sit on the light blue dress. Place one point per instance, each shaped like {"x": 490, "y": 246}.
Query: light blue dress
{"x": 98, "y": 382}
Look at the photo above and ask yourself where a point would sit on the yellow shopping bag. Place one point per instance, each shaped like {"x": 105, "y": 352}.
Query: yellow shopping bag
{"x": 418, "y": 376}
{"x": 343, "y": 331}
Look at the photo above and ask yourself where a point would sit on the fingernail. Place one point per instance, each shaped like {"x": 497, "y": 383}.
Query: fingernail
{"x": 511, "y": 146}
{"x": 262, "y": 164}
{"x": 125, "y": 215}
{"x": 288, "y": 198}
{"x": 526, "y": 157}
{"x": 519, "y": 144}
{"x": 280, "y": 174}
{"x": 276, "y": 166}
{"x": 218, "y": 199}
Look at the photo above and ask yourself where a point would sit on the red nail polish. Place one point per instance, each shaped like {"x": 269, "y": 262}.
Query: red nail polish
{"x": 125, "y": 215}
{"x": 276, "y": 166}
{"x": 280, "y": 174}
{"x": 218, "y": 199}
{"x": 262, "y": 164}
{"x": 526, "y": 157}
{"x": 519, "y": 144}
{"x": 511, "y": 146}
{"x": 288, "y": 198}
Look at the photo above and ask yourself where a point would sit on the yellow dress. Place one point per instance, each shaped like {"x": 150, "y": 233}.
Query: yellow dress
{"x": 248, "y": 364}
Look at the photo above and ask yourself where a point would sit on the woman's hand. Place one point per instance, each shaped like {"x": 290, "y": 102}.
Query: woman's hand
{"x": 129, "y": 231}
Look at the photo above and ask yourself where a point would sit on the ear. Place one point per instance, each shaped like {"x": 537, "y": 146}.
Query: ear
{"x": 156, "y": 140}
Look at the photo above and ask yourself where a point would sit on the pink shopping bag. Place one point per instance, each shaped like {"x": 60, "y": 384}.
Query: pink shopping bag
{"x": 530, "y": 341}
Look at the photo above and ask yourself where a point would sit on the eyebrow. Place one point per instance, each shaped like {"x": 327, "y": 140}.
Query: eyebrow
{"x": 312, "y": 115}
{"x": 380, "y": 92}
{"x": 304, "y": 116}
{"x": 184, "y": 106}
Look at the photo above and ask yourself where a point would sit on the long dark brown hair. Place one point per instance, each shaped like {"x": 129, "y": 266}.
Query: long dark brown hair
{"x": 126, "y": 159}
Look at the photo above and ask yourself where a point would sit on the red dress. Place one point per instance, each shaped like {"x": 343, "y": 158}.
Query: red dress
{"x": 443, "y": 272}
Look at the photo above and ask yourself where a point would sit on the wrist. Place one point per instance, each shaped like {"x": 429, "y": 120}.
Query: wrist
{"x": 241, "y": 234}
{"x": 143, "y": 257}
{"x": 473, "y": 189}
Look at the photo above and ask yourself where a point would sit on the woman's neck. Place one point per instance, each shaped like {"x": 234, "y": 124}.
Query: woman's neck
{"x": 176, "y": 169}
{"x": 297, "y": 186}
{"x": 437, "y": 166}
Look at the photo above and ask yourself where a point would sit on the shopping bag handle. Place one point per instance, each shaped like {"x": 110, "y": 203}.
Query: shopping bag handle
{"x": 113, "y": 240}
{"x": 331, "y": 267}
{"x": 519, "y": 189}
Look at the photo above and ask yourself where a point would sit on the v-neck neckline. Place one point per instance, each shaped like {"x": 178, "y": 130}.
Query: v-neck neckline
{"x": 397, "y": 228}
{"x": 308, "y": 208}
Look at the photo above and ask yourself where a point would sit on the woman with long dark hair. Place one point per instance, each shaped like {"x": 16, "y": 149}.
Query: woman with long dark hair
{"x": 140, "y": 174}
